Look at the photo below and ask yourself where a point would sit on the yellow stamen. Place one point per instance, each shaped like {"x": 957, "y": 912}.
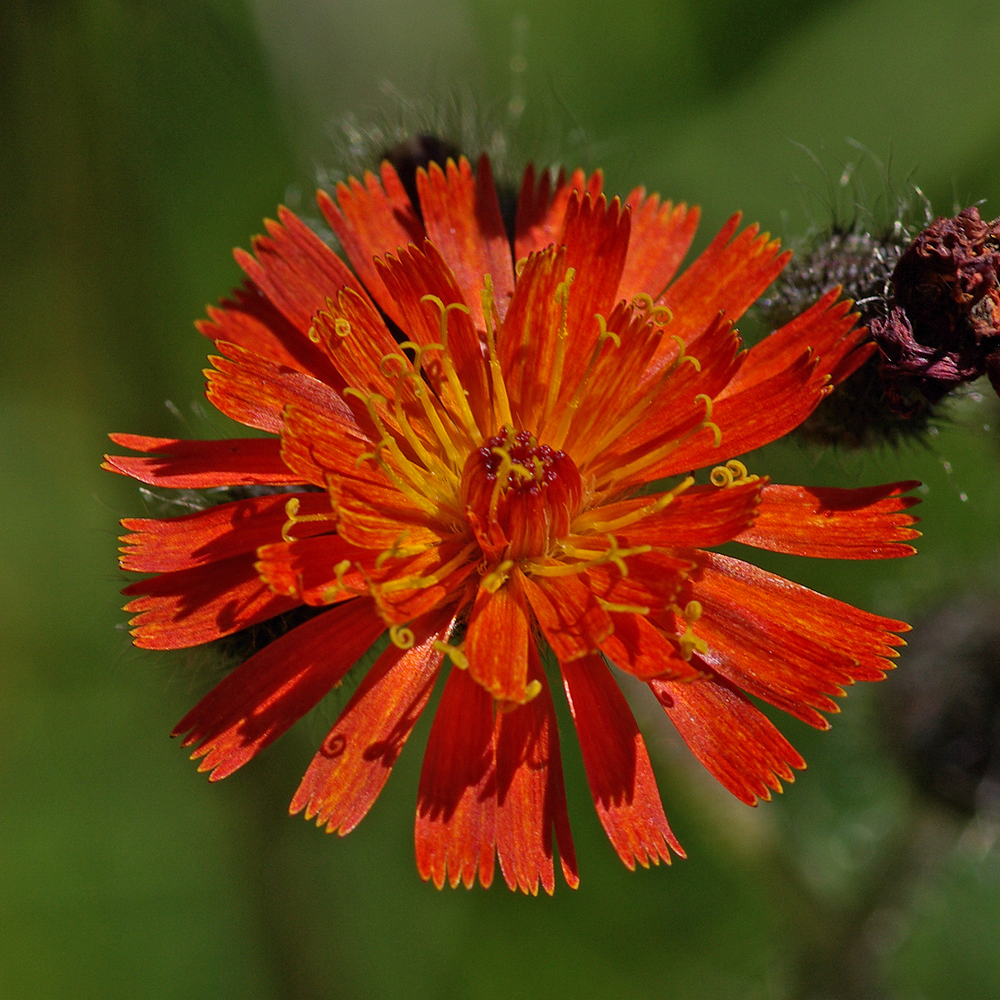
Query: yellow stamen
{"x": 329, "y": 595}
{"x": 555, "y": 376}
{"x": 690, "y": 643}
{"x": 454, "y": 653}
{"x": 588, "y": 559}
{"x": 531, "y": 691}
{"x": 422, "y": 582}
{"x": 633, "y": 609}
{"x": 388, "y": 443}
{"x": 430, "y": 461}
{"x": 430, "y": 410}
{"x": 733, "y": 473}
{"x": 458, "y": 390}
{"x": 294, "y": 518}
{"x": 585, "y": 523}
{"x": 402, "y": 637}
{"x": 496, "y": 374}
{"x": 497, "y": 577}
{"x": 558, "y": 438}
{"x": 398, "y": 551}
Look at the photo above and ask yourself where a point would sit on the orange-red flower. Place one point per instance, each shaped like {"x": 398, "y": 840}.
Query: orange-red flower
{"x": 510, "y": 476}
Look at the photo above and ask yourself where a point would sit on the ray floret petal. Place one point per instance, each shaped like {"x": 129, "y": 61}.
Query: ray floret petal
{"x": 486, "y": 445}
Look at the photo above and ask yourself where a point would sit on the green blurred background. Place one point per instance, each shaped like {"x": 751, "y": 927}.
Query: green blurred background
{"x": 139, "y": 142}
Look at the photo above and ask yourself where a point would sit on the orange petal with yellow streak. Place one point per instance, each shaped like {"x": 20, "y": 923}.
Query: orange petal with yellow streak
{"x": 572, "y": 620}
{"x": 782, "y": 642}
{"x": 728, "y": 276}
{"x": 526, "y": 343}
{"x": 700, "y": 517}
{"x": 249, "y": 318}
{"x": 255, "y": 391}
{"x": 641, "y": 649}
{"x": 410, "y": 275}
{"x": 306, "y": 569}
{"x": 595, "y": 234}
{"x": 541, "y": 209}
{"x": 661, "y": 235}
{"x": 751, "y": 418}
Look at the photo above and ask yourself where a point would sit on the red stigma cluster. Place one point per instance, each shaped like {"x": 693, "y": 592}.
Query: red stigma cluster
{"x": 520, "y": 495}
{"x": 541, "y": 464}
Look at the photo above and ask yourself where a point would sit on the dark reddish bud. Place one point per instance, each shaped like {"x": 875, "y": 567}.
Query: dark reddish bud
{"x": 856, "y": 414}
{"x": 931, "y": 304}
{"x": 418, "y": 152}
{"x": 943, "y": 328}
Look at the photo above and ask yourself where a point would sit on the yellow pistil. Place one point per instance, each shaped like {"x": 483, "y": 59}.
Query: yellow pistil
{"x": 588, "y": 559}
{"x": 559, "y": 361}
{"x": 659, "y": 315}
{"x": 430, "y": 410}
{"x": 681, "y": 356}
{"x": 329, "y": 595}
{"x": 402, "y": 637}
{"x": 422, "y": 582}
{"x": 455, "y": 653}
{"x": 690, "y": 643}
{"x": 497, "y": 577}
{"x": 558, "y": 437}
{"x": 585, "y": 521}
{"x": 458, "y": 390}
{"x": 416, "y": 476}
{"x": 631, "y": 609}
{"x": 431, "y": 461}
{"x": 491, "y": 317}
{"x": 733, "y": 473}
{"x": 294, "y": 518}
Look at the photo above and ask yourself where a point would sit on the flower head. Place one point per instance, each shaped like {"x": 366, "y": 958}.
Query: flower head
{"x": 943, "y": 328}
{"x": 485, "y": 447}
{"x": 931, "y": 302}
